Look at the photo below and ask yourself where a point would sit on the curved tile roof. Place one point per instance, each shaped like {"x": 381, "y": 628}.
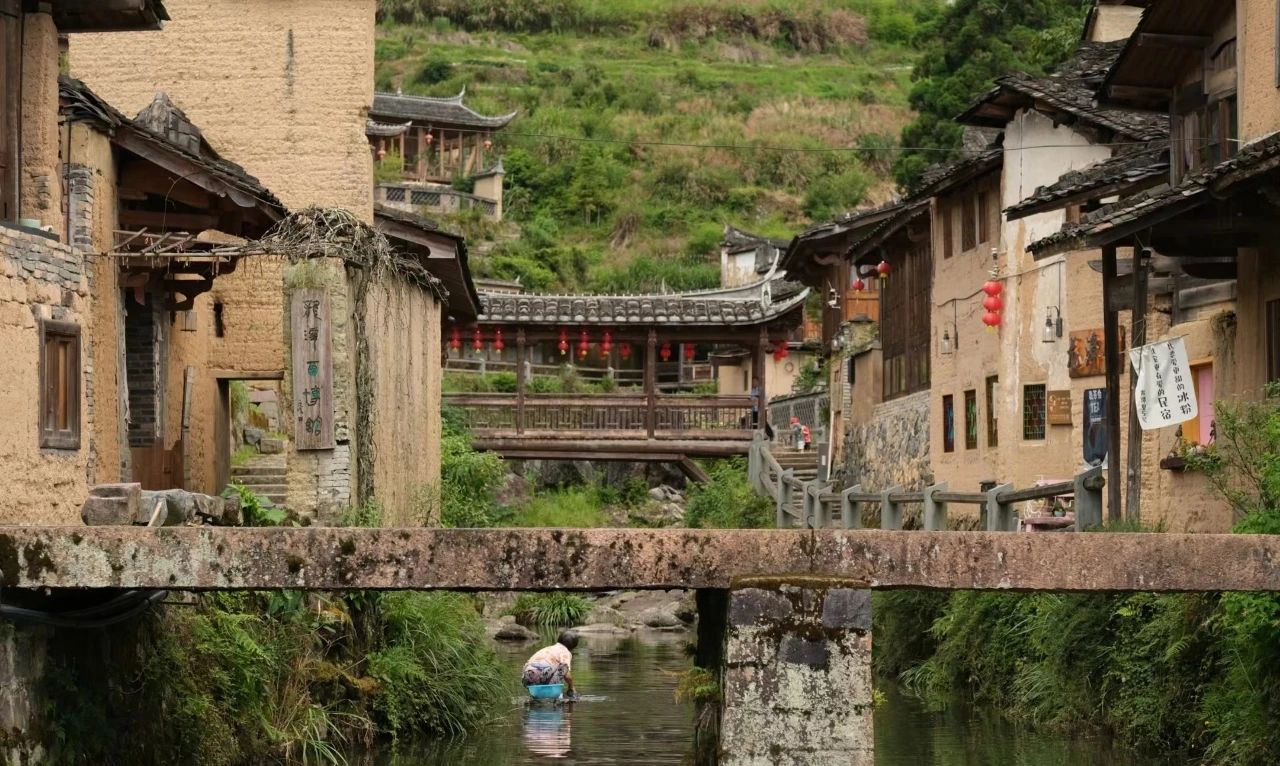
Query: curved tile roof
{"x": 389, "y": 107}
{"x": 1115, "y": 174}
{"x": 750, "y": 305}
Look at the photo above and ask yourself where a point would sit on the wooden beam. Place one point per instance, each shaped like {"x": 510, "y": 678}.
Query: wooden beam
{"x": 1138, "y": 93}
{"x": 1111, "y": 351}
{"x": 1161, "y": 40}
{"x": 193, "y": 222}
{"x": 247, "y": 374}
{"x": 692, "y": 470}
{"x": 1138, "y": 337}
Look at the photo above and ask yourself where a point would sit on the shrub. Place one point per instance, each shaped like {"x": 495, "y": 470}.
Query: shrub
{"x": 469, "y": 482}
{"x": 554, "y": 609}
{"x": 727, "y": 501}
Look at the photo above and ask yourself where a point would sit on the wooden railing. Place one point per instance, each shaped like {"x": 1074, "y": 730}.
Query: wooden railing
{"x": 606, "y": 416}
{"x": 818, "y": 505}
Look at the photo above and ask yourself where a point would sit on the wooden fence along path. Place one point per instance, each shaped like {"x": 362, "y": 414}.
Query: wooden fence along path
{"x": 815, "y": 504}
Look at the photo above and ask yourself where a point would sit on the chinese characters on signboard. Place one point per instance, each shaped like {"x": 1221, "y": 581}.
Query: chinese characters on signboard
{"x": 1086, "y": 353}
{"x": 312, "y": 370}
{"x": 1095, "y": 426}
{"x": 1165, "y": 393}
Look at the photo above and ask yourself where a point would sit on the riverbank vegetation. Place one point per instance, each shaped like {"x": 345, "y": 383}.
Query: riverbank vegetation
{"x": 1192, "y": 673}
{"x": 264, "y": 677}
{"x": 644, "y": 126}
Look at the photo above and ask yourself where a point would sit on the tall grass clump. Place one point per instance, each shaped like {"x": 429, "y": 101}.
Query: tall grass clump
{"x": 469, "y": 482}
{"x": 553, "y": 609}
{"x": 569, "y": 507}
{"x": 727, "y": 501}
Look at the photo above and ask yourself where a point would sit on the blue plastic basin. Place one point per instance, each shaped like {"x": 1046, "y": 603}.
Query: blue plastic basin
{"x": 545, "y": 691}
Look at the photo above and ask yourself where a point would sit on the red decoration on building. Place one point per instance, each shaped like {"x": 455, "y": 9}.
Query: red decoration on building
{"x": 431, "y": 137}
{"x": 859, "y": 285}
{"x": 992, "y": 303}
{"x": 455, "y": 339}
{"x": 624, "y": 351}
{"x": 477, "y": 340}
{"x": 665, "y": 351}
{"x": 606, "y": 344}
{"x": 498, "y": 345}
{"x": 992, "y": 288}
{"x": 563, "y": 345}
{"x": 883, "y": 270}
{"x": 584, "y": 345}
{"x": 690, "y": 350}
{"x": 992, "y": 320}
{"x": 780, "y": 351}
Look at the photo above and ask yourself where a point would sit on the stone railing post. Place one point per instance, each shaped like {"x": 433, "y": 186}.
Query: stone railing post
{"x": 850, "y": 517}
{"x": 1088, "y": 498}
{"x": 1000, "y": 515}
{"x": 797, "y": 673}
{"x": 890, "y": 512}
{"x": 784, "y": 498}
{"x": 935, "y": 512}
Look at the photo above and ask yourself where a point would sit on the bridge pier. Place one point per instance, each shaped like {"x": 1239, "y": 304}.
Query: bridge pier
{"x": 797, "y": 673}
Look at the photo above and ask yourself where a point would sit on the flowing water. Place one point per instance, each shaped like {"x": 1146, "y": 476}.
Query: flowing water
{"x": 629, "y": 716}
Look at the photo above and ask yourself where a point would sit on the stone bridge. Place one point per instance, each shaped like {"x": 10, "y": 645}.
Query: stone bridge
{"x": 784, "y": 614}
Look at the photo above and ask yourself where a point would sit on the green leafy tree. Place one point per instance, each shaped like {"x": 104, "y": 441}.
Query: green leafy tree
{"x": 968, "y": 46}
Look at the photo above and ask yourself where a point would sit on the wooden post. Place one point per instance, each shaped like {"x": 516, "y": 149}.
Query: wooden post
{"x": 402, "y": 168}
{"x": 422, "y": 154}
{"x": 1138, "y": 331}
{"x": 440, "y": 152}
{"x": 651, "y": 381}
{"x": 520, "y": 379}
{"x": 1111, "y": 342}
{"x": 757, "y": 372}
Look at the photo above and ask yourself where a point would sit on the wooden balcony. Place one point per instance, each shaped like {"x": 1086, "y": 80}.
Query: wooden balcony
{"x": 607, "y": 426}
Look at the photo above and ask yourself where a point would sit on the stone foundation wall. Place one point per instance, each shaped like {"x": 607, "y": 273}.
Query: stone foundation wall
{"x": 891, "y": 448}
{"x": 23, "y": 651}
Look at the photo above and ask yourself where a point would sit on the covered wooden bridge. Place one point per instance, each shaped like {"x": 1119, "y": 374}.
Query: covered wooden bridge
{"x": 621, "y": 333}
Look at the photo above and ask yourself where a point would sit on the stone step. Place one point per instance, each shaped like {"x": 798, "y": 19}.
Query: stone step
{"x": 254, "y": 469}
{"x": 267, "y": 489}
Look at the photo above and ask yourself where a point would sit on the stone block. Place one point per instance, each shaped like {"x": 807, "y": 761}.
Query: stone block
{"x": 271, "y": 445}
{"x": 111, "y": 504}
{"x": 847, "y": 608}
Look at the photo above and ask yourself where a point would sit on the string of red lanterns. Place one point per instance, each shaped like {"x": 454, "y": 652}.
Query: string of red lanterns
{"x": 584, "y": 346}
{"x": 665, "y": 351}
{"x": 563, "y": 345}
{"x": 455, "y": 339}
{"x": 993, "y": 303}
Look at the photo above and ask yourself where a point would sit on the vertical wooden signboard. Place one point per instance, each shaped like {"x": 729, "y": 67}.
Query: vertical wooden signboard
{"x": 310, "y": 331}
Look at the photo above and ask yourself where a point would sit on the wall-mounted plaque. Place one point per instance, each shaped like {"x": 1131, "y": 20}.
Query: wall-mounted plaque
{"x": 1059, "y": 405}
{"x": 1086, "y": 352}
{"x": 312, "y": 370}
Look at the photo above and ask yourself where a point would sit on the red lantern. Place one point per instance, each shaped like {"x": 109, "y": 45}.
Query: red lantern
{"x": 883, "y": 270}
{"x": 665, "y": 351}
{"x": 624, "y": 351}
{"x": 606, "y": 344}
{"x": 992, "y": 320}
{"x": 431, "y": 137}
{"x": 780, "y": 351}
{"x": 689, "y": 351}
{"x": 498, "y": 345}
{"x": 477, "y": 340}
{"x": 992, "y": 288}
{"x": 584, "y": 346}
{"x": 455, "y": 339}
{"x": 859, "y": 285}
{"x": 563, "y": 345}
{"x": 992, "y": 303}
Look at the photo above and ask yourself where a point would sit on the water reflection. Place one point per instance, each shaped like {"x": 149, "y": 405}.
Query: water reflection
{"x": 547, "y": 729}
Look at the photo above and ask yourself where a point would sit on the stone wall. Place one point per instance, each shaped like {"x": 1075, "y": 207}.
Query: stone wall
{"x": 279, "y": 86}
{"x": 891, "y": 448}
{"x": 23, "y": 654}
{"x": 39, "y": 279}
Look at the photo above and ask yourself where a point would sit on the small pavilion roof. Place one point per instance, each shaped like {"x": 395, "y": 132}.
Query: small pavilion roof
{"x": 754, "y": 304}
{"x": 1113, "y": 222}
{"x": 435, "y": 111}
{"x": 442, "y": 253}
{"x": 375, "y": 128}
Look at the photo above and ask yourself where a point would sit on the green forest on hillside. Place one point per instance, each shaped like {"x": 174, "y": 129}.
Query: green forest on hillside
{"x": 602, "y": 213}
{"x": 797, "y": 109}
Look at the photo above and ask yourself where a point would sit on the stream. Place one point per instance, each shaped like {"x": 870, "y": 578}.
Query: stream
{"x": 629, "y": 716}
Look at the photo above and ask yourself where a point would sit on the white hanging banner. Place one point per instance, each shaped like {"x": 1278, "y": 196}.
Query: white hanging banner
{"x": 1165, "y": 393}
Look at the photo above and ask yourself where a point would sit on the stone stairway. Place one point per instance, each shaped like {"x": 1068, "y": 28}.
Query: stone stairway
{"x": 804, "y": 467}
{"x": 266, "y": 475}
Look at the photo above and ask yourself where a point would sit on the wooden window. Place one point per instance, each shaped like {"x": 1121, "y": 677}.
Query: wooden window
{"x": 948, "y": 237}
{"x": 10, "y": 89}
{"x": 948, "y": 424}
{"x": 984, "y": 215}
{"x": 1033, "y": 412}
{"x": 1199, "y": 430}
{"x": 1273, "y": 341}
{"x": 993, "y": 426}
{"x": 59, "y": 385}
{"x": 970, "y": 419}
{"x": 969, "y": 223}
{"x": 904, "y": 320}
{"x": 219, "y": 322}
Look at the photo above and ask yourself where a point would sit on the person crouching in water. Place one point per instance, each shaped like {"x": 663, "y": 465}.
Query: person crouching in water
{"x": 551, "y": 665}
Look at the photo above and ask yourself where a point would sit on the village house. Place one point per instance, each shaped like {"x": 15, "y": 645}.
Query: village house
{"x": 424, "y": 145}
{"x": 367, "y": 425}
{"x": 1203, "y": 232}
